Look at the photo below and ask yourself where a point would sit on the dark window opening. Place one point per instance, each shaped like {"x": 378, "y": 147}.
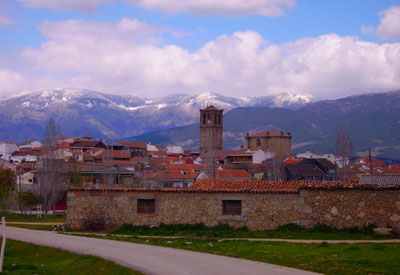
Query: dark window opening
{"x": 204, "y": 118}
{"x": 258, "y": 142}
{"x": 147, "y": 206}
{"x": 219, "y": 119}
{"x": 232, "y": 207}
{"x": 215, "y": 119}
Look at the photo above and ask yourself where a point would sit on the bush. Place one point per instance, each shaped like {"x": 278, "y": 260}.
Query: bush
{"x": 94, "y": 223}
{"x": 290, "y": 227}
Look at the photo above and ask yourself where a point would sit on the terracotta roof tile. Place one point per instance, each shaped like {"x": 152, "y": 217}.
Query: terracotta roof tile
{"x": 233, "y": 174}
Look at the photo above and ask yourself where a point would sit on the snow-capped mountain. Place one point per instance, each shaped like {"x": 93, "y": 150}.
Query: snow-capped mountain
{"x": 103, "y": 115}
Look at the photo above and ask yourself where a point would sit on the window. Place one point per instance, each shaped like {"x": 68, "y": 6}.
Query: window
{"x": 215, "y": 119}
{"x": 204, "y": 118}
{"x": 146, "y": 206}
{"x": 232, "y": 207}
{"x": 219, "y": 119}
{"x": 258, "y": 142}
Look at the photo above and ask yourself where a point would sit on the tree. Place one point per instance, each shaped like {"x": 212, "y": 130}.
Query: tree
{"x": 51, "y": 171}
{"x": 274, "y": 169}
{"x": 7, "y": 183}
{"x": 51, "y": 134}
{"x": 344, "y": 147}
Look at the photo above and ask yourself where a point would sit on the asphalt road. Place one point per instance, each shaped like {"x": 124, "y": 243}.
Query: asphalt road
{"x": 149, "y": 259}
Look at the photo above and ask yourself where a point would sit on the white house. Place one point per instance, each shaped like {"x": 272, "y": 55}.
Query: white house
{"x": 259, "y": 156}
{"x": 175, "y": 149}
{"x": 331, "y": 157}
{"x": 32, "y": 143}
{"x": 7, "y": 149}
{"x": 151, "y": 147}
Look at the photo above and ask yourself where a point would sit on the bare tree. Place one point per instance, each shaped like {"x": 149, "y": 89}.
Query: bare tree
{"x": 108, "y": 163}
{"x": 274, "y": 169}
{"x": 50, "y": 172}
{"x": 344, "y": 146}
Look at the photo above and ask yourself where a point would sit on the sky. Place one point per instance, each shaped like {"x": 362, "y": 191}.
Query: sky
{"x": 152, "y": 48}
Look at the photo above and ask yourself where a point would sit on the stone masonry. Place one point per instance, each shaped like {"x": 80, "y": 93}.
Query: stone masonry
{"x": 260, "y": 211}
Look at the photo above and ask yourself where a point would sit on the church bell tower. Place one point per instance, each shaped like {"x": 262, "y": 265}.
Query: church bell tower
{"x": 211, "y": 131}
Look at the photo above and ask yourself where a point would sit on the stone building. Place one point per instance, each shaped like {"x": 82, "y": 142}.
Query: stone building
{"x": 258, "y": 205}
{"x": 211, "y": 131}
{"x": 274, "y": 141}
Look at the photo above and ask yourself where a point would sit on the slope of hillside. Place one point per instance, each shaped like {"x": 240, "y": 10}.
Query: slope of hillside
{"x": 84, "y": 112}
{"x": 373, "y": 120}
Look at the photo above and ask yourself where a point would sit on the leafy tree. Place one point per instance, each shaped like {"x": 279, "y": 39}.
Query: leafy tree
{"x": 7, "y": 183}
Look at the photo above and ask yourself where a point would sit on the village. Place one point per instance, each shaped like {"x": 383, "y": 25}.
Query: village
{"x": 264, "y": 164}
{"x": 264, "y": 155}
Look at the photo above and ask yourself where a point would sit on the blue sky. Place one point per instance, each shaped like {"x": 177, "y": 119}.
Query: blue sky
{"x": 259, "y": 48}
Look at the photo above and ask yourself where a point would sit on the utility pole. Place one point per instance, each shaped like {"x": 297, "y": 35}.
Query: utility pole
{"x": 370, "y": 161}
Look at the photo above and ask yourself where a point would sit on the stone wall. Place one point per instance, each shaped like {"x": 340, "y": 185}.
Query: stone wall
{"x": 340, "y": 208}
{"x": 347, "y": 208}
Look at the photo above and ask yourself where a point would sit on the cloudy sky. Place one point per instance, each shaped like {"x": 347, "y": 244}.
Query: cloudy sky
{"x": 239, "y": 48}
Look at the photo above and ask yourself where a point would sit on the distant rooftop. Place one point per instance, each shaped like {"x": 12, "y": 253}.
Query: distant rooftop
{"x": 273, "y": 133}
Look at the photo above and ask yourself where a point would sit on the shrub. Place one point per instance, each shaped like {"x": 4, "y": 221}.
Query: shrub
{"x": 94, "y": 223}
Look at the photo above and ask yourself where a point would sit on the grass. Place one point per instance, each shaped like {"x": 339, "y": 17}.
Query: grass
{"x": 290, "y": 231}
{"x": 34, "y": 218}
{"x": 366, "y": 258}
{"x": 24, "y": 258}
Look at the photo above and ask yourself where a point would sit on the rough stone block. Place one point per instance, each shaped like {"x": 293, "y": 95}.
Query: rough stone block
{"x": 304, "y": 193}
{"x": 306, "y": 209}
{"x": 395, "y": 218}
{"x": 383, "y": 231}
{"x": 334, "y": 211}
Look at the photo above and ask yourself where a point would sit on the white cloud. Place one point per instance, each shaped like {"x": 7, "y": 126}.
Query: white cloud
{"x": 6, "y": 20}
{"x": 10, "y": 82}
{"x": 233, "y": 7}
{"x": 389, "y": 26}
{"x": 129, "y": 57}
{"x": 66, "y": 5}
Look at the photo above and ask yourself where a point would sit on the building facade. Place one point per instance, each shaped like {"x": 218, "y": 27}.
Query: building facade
{"x": 273, "y": 141}
{"x": 257, "y": 205}
{"x": 211, "y": 131}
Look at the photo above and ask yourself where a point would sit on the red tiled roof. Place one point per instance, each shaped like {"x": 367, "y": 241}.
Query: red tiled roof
{"x": 374, "y": 162}
{"x": 233, "y": 174}
{"x": 172, "y": 166}
{"x": 246, "y": 186}
{"x": 170, "y": 174}
{"x": 87, "y": 144}
{"x": 121, "y": 154}
{"x": 64, "y": 144}
{"x": 133, "y": 144}
{"x": 273, "y": 133}
{"x": 253, "y": 186}
{"x": 292, "y": 161}
{"x": 122, "y": 162}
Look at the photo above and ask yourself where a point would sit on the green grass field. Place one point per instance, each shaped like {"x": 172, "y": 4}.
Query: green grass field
{"x": 324, "y": 258}
{"x": 34, "y": 218}
{"x": 24, "y": 258}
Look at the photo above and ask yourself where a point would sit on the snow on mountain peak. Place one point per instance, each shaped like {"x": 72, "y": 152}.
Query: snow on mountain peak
{"x": 283, "y": 99}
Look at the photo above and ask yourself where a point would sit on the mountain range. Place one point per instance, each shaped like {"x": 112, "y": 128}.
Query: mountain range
{"x": 84, "y": 112}
{"x": 372, "y": 120}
